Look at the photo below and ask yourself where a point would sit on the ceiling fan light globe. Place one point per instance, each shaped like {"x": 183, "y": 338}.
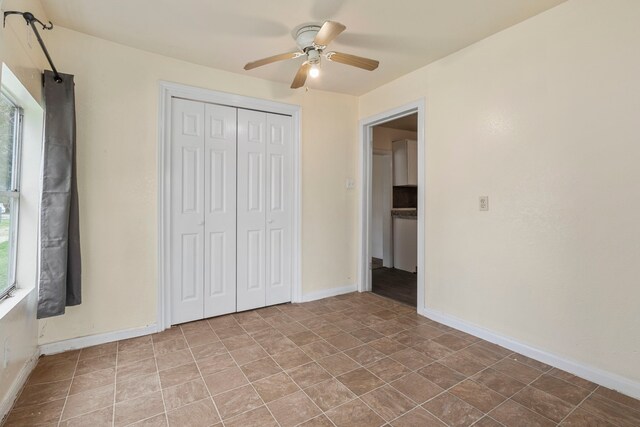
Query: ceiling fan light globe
{"x": 314, "y": 71}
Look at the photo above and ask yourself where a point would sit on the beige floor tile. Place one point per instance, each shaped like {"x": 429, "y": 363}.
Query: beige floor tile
{"x": 92, "y": 380}
{"x": 128, "y": 357}
{"x": 44, "y": 413}
{"x": 561, "y": 389}
{"x": 178, "y": 375}
{"x": 453, "y": 411}
{"x": 235, "y": 402}
{"x": 441, "y": 375}
{"x": 303, "y": 338}
{"x": 260, "y": 417}
{"x": 135, "y": 387}
{"x": 183, "y": 394}
{"x": 292, "y": 358}
{"x": 365, "y": 354}
{"x": 477, "y": 395}
{"x": 418, "y": 417}
{"x": 354, "y": 414}
{"x": 388, "y": 369}
{"x": 360, "y": 381}
{"x": 201, "y": 338}
{"x": 225, "y": 380}
{"x": 174, "y": 359}
{"x": 388, "y": 402}
{"x": 260, "y": 369}
{"x": 511, "y": 413}
{"x": 387, "y": 346}
{"x": 135, "y": 344}
{"x": 275, "y": 387}
{"x": 463, "y": 362}
{"x": 245, "y": 355}
{"x": 523, "y": 373}
{"x": 319, "y": 421}
{"x": 582, "y": 418}
{"x": 168, "y": 346}
{"x": 95, "y": 364}
{"x": 99, "y": 350}
{"x": 337, "y": 364}
{"x": 293, "y": 409}
{"x": 411, "y": 358}
{"x": 42, "y": 393}
{"x": 211, "y": 365}
{"x": 572, "y": 379}
{"x": 88, "y": 401}
{"x": 417, "y": 388}
{"x": 611, "y": 411}
{"x": 308, "y": 375}
{"x": 140, "y": 408}
{"x": 197, "y": 414}
{"x": 51, "y": 371}
{"x": 207, "y": 350}
{"x": 498, "y": 382}
{"x": 319, "y": 349}
{"x": 100, "y": 418}
{"x": 159, "y": 420}
{"x": 329, "y": 394}
{"x": 619, "y": 398}
{"x": 136, "y": 369}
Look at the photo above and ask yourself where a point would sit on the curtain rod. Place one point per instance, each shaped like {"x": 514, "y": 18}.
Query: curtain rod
{"x": 31, "y": 20}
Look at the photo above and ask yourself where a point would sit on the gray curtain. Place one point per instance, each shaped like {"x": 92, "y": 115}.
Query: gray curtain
{"x": 60, "y": 263}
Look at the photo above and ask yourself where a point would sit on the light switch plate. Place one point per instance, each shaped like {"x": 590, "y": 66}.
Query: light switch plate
{"x": 484, "y": 203}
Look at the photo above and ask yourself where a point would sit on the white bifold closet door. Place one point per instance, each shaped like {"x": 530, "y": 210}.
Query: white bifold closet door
{"x": 203, "y": 210}
{"x": 231, "y": 210}
{"x": 264, "y": 209}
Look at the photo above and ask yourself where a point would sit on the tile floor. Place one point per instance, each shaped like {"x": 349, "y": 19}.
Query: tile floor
{"x": 353, "y": 360}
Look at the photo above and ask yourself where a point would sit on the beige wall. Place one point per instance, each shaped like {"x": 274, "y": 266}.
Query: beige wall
{"x": 117, "y": 114}
{"x": 18, "y": 326}
{"x": 542, "y": 118}
{"x": 383, "y": 137}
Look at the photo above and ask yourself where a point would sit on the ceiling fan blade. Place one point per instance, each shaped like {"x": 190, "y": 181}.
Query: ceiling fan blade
{"x": 353, "y": 60}
{"x": 329, "y": 31}
{"x": 301, "y": 76}
{"x": 271, "y": 59}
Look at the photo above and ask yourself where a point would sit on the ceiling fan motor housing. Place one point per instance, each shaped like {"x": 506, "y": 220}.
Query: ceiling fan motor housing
{"x": 305, "y": 37}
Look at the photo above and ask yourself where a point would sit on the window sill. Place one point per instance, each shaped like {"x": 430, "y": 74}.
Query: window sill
{"x": 6, "y": 305}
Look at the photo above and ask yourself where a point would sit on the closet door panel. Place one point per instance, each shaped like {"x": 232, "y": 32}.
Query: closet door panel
{"x": 187, "y": 210}
{"x": 220, "y": 210}
{"x": 251, "y": 202}
{"x": 279, "y": 192}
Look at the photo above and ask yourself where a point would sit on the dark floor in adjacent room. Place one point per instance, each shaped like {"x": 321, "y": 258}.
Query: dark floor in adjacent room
{"x": 396, "y": 284}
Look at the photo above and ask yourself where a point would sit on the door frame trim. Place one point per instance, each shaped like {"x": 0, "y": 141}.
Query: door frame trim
{"x": 168, "y": 90}
{"x": 365, "y": 127}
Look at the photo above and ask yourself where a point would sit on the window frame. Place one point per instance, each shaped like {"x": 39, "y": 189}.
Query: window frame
{"x": 13, "y": 194}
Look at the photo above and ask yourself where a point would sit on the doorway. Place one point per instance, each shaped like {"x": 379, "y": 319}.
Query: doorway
{"x": 392, "y": 254}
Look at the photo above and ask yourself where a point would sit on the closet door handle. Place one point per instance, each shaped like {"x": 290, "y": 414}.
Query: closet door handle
{"x": 270, "y": 221}
{"x": 200, "y": 224}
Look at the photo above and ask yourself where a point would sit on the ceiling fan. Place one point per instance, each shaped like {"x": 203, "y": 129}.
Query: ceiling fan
{"x": 312, "y": 40}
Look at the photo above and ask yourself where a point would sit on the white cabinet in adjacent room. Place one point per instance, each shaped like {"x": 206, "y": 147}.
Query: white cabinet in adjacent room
{"x": 405, "y": 244}
{"x": 405, "y": 162}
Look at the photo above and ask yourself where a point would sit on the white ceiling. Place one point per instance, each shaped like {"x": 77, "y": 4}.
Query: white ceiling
{"x": 403, "y": 35}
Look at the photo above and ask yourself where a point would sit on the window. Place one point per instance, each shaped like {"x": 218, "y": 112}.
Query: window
{"x": 10, "y": 142}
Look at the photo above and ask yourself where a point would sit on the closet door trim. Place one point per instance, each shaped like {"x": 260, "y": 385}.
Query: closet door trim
{"x": 169, "y": 90}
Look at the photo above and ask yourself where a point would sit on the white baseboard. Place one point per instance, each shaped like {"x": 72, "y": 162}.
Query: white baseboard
{"x": 326, "y": 293}
{"x": 16, "y": 386}
{"x": 90, "y": 340}
{"x": 593, "y": 374}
